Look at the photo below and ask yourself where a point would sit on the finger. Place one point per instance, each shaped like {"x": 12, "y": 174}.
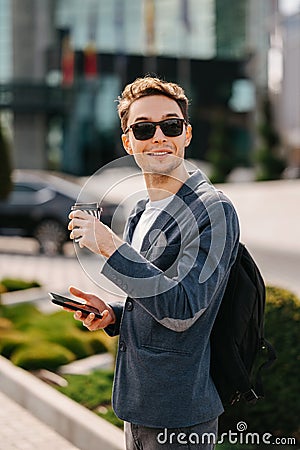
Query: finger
{"x": 81, "y": 241}
{"x": 105, "y": 315}
{"x": 76, "y": 233}
{"x": 89, "y": 320}
{"x": 76, "y": 222}
{"x": 78, "y": 214}
{"x": 99, "y": 323}
{"x": 80, "y": 294}
{"x": 77, "y": 292}
{"x": 78, "y": 315}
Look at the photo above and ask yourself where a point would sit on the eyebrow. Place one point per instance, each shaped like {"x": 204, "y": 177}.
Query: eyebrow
{"x": 146, "y": 119}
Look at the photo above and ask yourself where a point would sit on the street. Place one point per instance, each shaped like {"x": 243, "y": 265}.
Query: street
{"x": 19, "y": 259}
{"x": 278, "y": 267}
{"x": 269, "y": 216}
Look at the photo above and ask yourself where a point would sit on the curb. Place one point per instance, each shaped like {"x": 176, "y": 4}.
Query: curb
{"x": 23, "y": 296}
{"x": 78, "y": 425}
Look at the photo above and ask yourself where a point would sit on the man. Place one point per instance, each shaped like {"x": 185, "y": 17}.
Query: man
{"x": 173, "y": 265}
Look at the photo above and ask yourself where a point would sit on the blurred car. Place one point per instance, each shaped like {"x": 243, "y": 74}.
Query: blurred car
{"x": 39, "y": 205}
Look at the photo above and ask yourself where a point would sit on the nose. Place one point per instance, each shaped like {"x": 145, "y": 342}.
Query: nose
{"x": 159, "y": 135}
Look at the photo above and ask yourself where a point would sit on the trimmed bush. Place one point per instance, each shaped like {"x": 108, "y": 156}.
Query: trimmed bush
{"x": 42, "y": 355}
{"x": 21, "y": 314}
{"x": 48, "y": 324}
{"x": 74, "y": 341}
{"x": 2, "y": 288}
{"x": 100, "y": 342}
{"x": 279, "y": 412}
{"x": 12, "y": 340}
{"x": 17, "y": 284}
{"x": 28, "y": 326}
{"x": 5, "y": 324}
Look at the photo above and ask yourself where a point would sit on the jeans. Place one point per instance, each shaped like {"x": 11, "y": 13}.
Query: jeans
{"x": 202, "y": 436}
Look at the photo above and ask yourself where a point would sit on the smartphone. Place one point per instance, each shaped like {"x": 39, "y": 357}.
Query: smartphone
{"x": 74, "y": 305}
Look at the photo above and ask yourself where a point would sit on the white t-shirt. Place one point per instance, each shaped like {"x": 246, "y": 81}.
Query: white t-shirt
{"x": 152, "y": 211}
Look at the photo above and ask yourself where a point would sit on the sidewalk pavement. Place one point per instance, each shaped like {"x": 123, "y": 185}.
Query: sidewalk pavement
{"x": 21, "y": 430}
{"x": 269, "y": 213}
{"x": 50, "y": 419}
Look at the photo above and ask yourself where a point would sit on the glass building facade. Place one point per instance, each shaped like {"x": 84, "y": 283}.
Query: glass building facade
{"x": 5, "y": 41}
{"x": 137, "y": 27}
{"x": 83, "y": 53}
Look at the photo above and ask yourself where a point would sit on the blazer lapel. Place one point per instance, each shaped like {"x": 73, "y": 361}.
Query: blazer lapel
{"x": 133, "y": 220}
{"x": 166, "y": 216}
{"x": 155, "y": 235}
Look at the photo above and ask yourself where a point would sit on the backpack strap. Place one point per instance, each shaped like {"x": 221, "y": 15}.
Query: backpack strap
{"x": 251, "y": 396}
{"x": 257, "y": 392}
{"x": 271, "y": 358}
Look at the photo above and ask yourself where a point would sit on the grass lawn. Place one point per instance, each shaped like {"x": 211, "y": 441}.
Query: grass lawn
{"x": 94, "y": 392}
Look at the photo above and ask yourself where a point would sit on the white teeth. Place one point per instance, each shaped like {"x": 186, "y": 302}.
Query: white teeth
{"x": 158, "y": 153}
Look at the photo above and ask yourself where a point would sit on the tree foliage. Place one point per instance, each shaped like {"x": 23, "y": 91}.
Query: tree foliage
{"x": 5, "y": 165}
{"x": 220, "y": 153}
{"x": 271, "y": 165}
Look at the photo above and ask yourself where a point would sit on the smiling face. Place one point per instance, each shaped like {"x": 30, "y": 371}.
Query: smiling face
{"x": 160, "y": 154}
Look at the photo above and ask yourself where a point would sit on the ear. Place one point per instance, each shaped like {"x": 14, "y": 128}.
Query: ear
{"x": 188, "y": 135}
{"x": 126, "y": 144}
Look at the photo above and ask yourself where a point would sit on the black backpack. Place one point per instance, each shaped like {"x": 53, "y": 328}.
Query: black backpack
{"x": 237, "y": 337}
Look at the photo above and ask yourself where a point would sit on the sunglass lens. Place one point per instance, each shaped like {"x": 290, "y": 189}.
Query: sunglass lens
{"x": 172, "y": 127}
{"x": 143, "y": 131}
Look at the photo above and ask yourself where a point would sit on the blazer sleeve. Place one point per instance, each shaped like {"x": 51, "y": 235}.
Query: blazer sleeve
{"x": 208, "y": 249}
{"x": 114, "y": 330}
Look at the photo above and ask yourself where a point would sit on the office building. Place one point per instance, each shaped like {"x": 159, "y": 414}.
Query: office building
{"x": 65, "y": 62}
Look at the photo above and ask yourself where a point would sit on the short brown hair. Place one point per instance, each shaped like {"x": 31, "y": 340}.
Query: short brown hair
{"x": 143, "y": 87}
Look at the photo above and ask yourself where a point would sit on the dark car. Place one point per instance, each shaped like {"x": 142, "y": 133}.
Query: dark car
{"x": 38, "y": 207}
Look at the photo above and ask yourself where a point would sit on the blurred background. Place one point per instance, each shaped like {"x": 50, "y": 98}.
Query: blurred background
{"x": 63, "y": 64}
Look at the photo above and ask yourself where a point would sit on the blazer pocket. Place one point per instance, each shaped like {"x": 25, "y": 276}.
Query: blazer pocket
{"x": 164, "y": 349}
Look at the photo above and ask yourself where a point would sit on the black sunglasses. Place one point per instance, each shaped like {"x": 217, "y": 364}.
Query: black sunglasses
{"x": 146, "y": 130}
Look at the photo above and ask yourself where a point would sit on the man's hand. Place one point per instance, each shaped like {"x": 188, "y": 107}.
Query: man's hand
{"x": 93, "y": 234}
{"x": 91, "y": 322}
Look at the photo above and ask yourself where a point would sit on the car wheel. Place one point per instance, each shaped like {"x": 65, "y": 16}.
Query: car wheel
{"x": 51, "y": 236}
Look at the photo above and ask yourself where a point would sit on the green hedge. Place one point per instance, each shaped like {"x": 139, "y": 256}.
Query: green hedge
{"x": 34, "y": 340}
{"x": 279, "y": 412}
{"x": 17, "y": 284}
{"x": 11, "y": 341}
{"x": 41, "y": 355}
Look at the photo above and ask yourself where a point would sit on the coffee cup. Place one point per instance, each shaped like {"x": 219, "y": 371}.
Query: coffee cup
{"x": 94, "y": 209}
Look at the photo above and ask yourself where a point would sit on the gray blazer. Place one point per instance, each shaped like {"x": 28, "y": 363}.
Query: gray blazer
{"x": 174, "y": 287}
